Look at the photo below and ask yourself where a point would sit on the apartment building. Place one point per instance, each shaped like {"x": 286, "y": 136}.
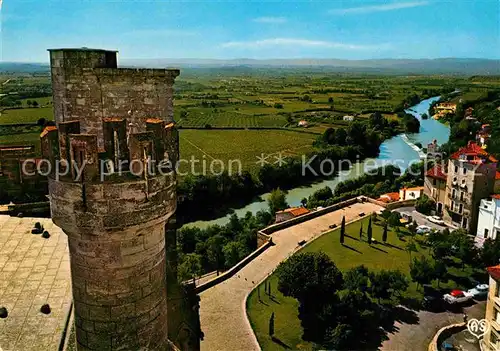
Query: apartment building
{"x": 470, "y": 178}
{"x": 488, "y": 224}
{"x": 435, "y": 187}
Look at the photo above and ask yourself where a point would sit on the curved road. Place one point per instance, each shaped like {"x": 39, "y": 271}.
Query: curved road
{"x": 222, "y": 308}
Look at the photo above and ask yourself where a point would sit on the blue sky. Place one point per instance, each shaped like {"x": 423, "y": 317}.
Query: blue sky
{"x": 251, "y": 29}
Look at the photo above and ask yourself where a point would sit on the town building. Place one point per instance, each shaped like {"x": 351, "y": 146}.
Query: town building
{"x": 389, "y": 197}
{"x": 432, "y": 150}
{"x": 290, "y": 213}
{"x": 471, "y": 177}
{"x": 410, "y": 193}
{"x": 488, "y": 224}
{"x": 491, "y": 339}
{"x": 348, "y": 118}
{"x": 303, "y": 123}
{"x": 435, "y": 187}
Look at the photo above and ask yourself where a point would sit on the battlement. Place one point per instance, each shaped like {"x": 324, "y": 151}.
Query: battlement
{"x": 89, "y": 87}
{"x": 127, "y": 152}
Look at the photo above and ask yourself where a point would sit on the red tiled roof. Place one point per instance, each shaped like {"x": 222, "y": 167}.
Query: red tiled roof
{"x": 296, "y": 211}
{"x": 497, "y": 176}
{"x": 496, "y": 196}
{"x": 389, "y": 197}
{"x": 494, "y": 271}
{"x": 47, "y": 130}
{"x": 436, "y": 172}
{"x": 473, "y": 152}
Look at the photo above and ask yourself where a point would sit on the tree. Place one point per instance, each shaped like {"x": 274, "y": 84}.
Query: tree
{"x": 231, "y": 252}
{"x": 35, "y": 103}
{"x": 421, "y": 270}
{"x": 330, "y": 100}
{"x": 385, "y": 283}
{"x": 303, "y": 202}
{"x": 394, "y": 219}
{"x": 342, "y": 231}
{"x": 356, "y": 279}
{"x": 41, "y": 122}
{"x": 277, "y": 201}
{"x": 411, "y": 247}
{"x": 490, "y": 253}
{"x": 271, "y": 324}
{"x": 184, "y": 113}
{"x": 369, "y": 231}
{"x": 425, "y": 205}
{"x": 191, "y": 267}
{"x": 312, "y": 278}
{"x": 29, "y": 103}
{"x": 440, "y": 271}
{"x": 384, "y": 234}
{"x": 215, "y": 252}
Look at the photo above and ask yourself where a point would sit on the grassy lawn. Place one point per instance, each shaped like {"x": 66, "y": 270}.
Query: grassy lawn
{"x": 243, "y": 145}
{"x": 354, "y": 253}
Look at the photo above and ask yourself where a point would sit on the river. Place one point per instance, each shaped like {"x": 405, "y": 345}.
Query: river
{"x": 399, "y": 150}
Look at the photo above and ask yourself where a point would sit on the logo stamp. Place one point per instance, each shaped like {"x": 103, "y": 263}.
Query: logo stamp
{"x": 478, "y": 327}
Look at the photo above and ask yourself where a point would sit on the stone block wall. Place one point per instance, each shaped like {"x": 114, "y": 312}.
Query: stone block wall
{"x": 88, "y": 87}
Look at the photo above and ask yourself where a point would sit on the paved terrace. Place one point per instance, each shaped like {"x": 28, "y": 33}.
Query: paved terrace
{"x": 222, "y": 308}
{"x": 34, "y": 271}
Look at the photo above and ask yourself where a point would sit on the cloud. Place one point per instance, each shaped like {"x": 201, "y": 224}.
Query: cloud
{"x": 270, "y": 20}
{"x": 294, "y": 42}
{"x": 378, "y": 8}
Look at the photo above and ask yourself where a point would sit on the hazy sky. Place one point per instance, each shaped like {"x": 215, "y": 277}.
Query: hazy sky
{"x": 251, "y": 29}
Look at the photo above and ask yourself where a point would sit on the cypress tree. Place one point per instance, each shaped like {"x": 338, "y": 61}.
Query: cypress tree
{"x": 342, "y": 231}
{"x": 271, "y": 325}
{"x": 369, "y": 231}
{"x": 384, "y": 234}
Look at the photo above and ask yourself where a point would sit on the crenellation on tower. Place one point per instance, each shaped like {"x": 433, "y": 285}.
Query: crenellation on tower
{"x": 112, "y": 191}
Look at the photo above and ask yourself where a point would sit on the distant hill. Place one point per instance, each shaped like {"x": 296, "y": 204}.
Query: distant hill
{"x": 396, "y": 66}
{"x": 467, "y": 66}
{"x": 19, "y": 67}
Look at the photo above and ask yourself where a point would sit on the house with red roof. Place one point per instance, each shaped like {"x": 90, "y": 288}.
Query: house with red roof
{"x": 471, "y": 176}
{"x": 435, "y": 186}
{"x": 290, "y": 213}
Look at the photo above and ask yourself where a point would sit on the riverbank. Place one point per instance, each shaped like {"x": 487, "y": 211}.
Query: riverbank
{"x": 392, "y": 151}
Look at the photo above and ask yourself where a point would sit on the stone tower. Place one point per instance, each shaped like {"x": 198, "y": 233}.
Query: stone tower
{"x": 112, "y": 190}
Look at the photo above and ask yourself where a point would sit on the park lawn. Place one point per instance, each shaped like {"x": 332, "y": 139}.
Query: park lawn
{"x": 354, "y": 253}
{"x": 26, "y": 115}
{"x": 243, "y": 145}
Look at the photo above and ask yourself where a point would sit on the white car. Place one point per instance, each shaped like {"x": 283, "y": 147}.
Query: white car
{"x": 423, "y": 229}
{"x": 435, "y": 219}
{"x": 457, "y": 297}
{"x": 480, "y": 290}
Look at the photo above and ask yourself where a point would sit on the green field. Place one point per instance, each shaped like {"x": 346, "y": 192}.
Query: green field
{"x": 354, "y": 253}
{"x": 26, "y": 115}
{"x": 21, "y": 139}
{"x": 243, "y": 145}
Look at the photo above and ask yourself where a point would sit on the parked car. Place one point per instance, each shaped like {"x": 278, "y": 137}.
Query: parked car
{"x": 435, "y": 219}
{"x": 332, "y": 226}
{"x": 457, "y": 297}
{"x": 481, "y": 290}
{"x": 433, "y": 299}
{"x": 423, "y": 229}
